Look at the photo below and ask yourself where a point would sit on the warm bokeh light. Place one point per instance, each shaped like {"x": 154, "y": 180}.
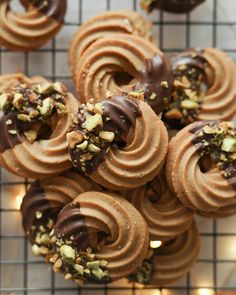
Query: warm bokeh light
{"x": 155, "y": 244}
{"x": 205, "y": 291}
{"x": 19, "y": 199}
{"x": 155, "y": 292}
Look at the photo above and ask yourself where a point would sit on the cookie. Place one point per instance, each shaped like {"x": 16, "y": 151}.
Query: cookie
{"x": 204, "y": 88}
{"x": 33, "y": 28}
{"x": 99, "y": 238}
{"x": 109, "y": 22}
{"x": 165, "y": 215}
{"x": 201, "y": 165}
{"x": 121, "y": 63}
{"x": 34, "y": 120}
{"x": 119, "y": 143}
{"x": 42, "y": 203}
{"x": 171, "y": 261}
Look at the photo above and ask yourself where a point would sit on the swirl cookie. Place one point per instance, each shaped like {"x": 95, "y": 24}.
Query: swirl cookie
{"x": 201, "y": 165}
{"x": 120, "y": 143}
{"x": 174, "y": 6}
{"x": 34, "y": 120}
{"x": 99, "y": 238}
{"x": 171, "y": 261}
{"x": 165, "y": 215}
{"x": 32, "y": 29}
{"x": 42, "y": 203}
{"x": 110, "y": 22}
{"x": 121, "y": 63}
{"x": 204, "y": 88}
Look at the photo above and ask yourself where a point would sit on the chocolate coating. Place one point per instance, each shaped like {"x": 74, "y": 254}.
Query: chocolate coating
{"x": 35, "y": 201}
{"x": 55, "y": 9}
{"x": 175, "y": 6}
{"x": 8, "y": 140}
{"x": 213, "y": 150}
{"x": 119, "y": 115}
{"x": 71, "y": 223}
{"x": 157, "y": 70}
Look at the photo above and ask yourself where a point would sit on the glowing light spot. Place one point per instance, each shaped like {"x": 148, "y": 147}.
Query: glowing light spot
{"x": 205, "y": 291}
{"x": 155, "y": 244}
{"x": 19, "y": 199}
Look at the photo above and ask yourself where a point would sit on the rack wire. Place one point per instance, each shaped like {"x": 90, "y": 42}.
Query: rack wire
{"x": 213, "y": 24}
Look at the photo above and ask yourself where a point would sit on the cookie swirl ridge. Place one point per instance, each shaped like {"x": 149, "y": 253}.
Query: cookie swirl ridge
{"x": 110, "y": 22}
{"x": 112, "y": 229}
{"x": 164, "y": 213}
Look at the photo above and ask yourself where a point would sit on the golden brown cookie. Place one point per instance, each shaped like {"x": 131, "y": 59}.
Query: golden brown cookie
{"x": 109, "y": 22}
{"x": 42, "y": 203}
{"x": 99, "y": 238}
{"x": 165, "y": 215}
{"x": 171, "y": 261}
{"x": 201, "y": 165}
{"x": 121, "y": 63}
{"x": 119, "y": 142}
{"x": 33, "y": 28}
{"x": 34, "y": 120}
{"x": 204, "y": 88}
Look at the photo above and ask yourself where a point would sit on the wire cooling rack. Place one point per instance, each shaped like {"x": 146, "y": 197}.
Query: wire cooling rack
{"x": 211, "y": 24}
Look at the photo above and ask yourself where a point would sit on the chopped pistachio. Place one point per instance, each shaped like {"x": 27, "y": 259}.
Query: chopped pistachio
{"x": 47, "y": 107}
{"x": 98, "y": 108}
{"x": 68, "y": 277}
{"x": 23, "y": 117}
{"x": 36, "y": 250}
{"x": 98, "y": 273}
{"x": 67, "y": 253}
{"x": 103, "y": 263}
{"x": 33, "y": 114}
{"x": 189, "y": 104}
{"x": 18, "y": 100}
{"x": 61, "y": 106}
{"x": 93, "y": 264}
{"x": 43, "y": 250}
{"x": 173, "y": 114}
{"x": 93, "y": 148}
{"x": 44, "y": 88}
{"x": 87, "y": 271}
{"x": 74, "y": 138}
{"x": 58, "y": 87}
{"x": 12, "y": 132}
{"x": 79, "y": 268}
{"x": 209, "y": 130}
{"x": 93, "y": 121}
{"x": 79, "y": 282}
{"x": 38, "y": 214}
{"x": 153, "y": 96}
{"x": 9, "y": 122}
{"x": 165, "y": 84}
{"x": 107, "y": 135}
{"x": 136, "y": 94}
{"x": 89, "y": 250}
{"x": 229, "y": 145}
{"x": 3, "y": 101}
{"x": 58, "y": 263}
{"x": 45, "y": 238}
{"x": 82, "y": 146}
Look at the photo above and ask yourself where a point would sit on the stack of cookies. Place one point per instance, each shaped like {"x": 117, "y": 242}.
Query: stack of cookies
{"x": 121, "y": 170}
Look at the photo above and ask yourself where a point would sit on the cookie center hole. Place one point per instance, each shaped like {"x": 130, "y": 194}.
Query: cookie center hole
{"x": 122, "y": 78}
{"x": 206, "y": 163}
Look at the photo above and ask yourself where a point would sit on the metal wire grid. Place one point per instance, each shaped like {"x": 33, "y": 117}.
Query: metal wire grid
{"x": 21, "y": 266}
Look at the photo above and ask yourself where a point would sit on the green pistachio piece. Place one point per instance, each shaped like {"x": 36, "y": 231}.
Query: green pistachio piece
{"x": 93, "y": 121}
{"x": 93, "y": 264}
{"x": 18, "y": 100}
{"x": 229, "y": 145}
{"x": 189, "y": 104}
{"x": 45, "y": 238}
{"x": 38, "y": 214}
{"x": 57, "y": 86}
{"x": 3, "y": 101}
{"x": 23, "y": 117}
{"x": 36, "y": 250}
{"x": 67, "y": 253}
{"x": 107, "y": 135}
{"x": 44, "y": 88}
{"x": 82, "y": 146}
{"x": 98, "y": 273}
{"x": 46, "y": 108}
{"x": 79, "y": 268}
{"x": 93, "y": 148}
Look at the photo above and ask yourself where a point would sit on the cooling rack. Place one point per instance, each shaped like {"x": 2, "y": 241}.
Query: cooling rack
{"x": 211, "y": 24}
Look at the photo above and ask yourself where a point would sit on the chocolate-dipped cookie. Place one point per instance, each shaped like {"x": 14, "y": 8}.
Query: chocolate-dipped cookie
{"x": 34, "y": 120}
{"x": 171, "y": 261}
{"x": 121, "y": 63}
{"x": 174, "y": 6}
{"x": 204, "y": 88}
{"x": 99, "y": 238}
{"x": 42, "y": 203}
{"x": 32, "y": 29}
{"x": 119, "y": 142}
{"x": 109, "y": 22}
{"x": 165, "y": 215}
{"x": 201, "y": 165}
